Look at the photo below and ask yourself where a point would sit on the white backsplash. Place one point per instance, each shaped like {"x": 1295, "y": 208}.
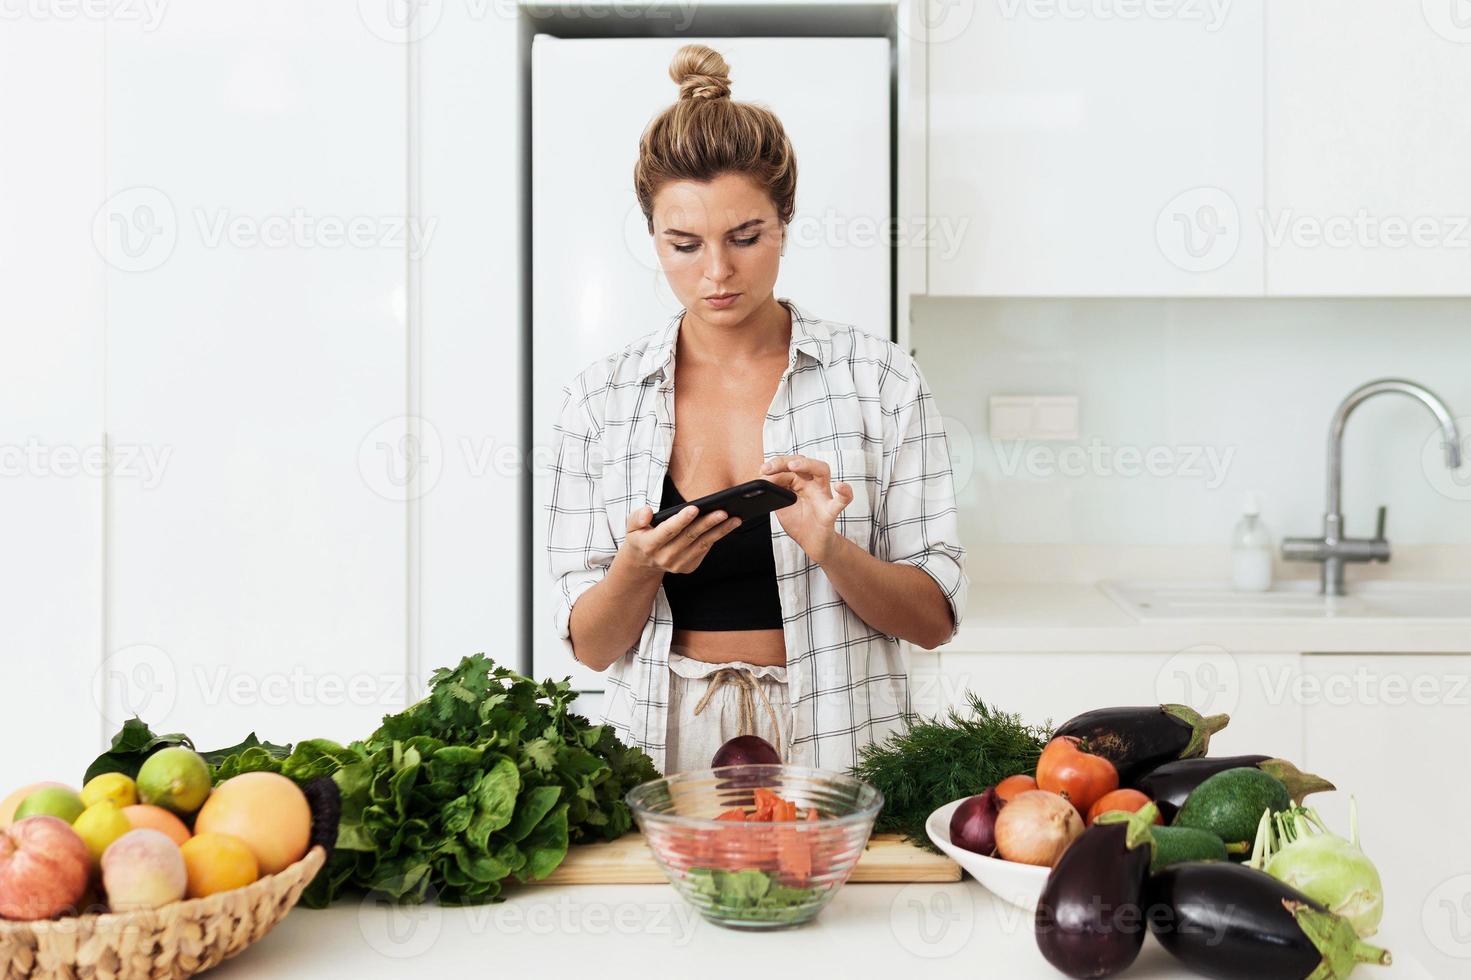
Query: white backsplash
{"x": 1185, "y": 406}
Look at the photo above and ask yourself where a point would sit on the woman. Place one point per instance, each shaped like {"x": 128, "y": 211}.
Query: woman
{"x": 788, "y": 628}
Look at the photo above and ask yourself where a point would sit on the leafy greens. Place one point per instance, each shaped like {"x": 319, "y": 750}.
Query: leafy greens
{"x": 489, "y": 777}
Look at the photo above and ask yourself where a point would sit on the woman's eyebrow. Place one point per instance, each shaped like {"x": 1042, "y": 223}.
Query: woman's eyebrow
{"x": 740, "y": 227}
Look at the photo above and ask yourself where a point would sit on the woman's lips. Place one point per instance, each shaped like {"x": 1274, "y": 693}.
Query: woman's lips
{"x": 721, "y": 302}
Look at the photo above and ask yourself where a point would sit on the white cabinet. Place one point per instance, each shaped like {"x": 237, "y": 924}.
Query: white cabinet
{"x": 51, "y": 440}
{"x": 1367, "y": 146}
{"x": 1392, "y": 730}
{"x": 1096, "y": 150}
{"x": 255, "y": 192}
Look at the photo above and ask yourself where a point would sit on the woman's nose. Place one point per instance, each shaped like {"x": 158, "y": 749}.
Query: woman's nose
{"x": 719, "y": 266}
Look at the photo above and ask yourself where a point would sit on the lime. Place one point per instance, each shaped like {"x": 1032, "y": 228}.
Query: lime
{"x": 101, "y": 824}
{"x": 116, "y": 787}
{"x": 53, "y": 801}
{"x": 175, "y": 778}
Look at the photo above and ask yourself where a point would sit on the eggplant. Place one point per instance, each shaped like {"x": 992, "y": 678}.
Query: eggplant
{"x": 1090, "y": 918}
{"x": 1169, "y": 784}
{"x": 1137, "y": 740}
{"x": 1230, "y": 921}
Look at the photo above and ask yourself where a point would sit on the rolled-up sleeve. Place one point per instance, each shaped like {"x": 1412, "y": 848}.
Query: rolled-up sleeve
{"x": 917, "y": 519}
{"x": 580, "y": 544}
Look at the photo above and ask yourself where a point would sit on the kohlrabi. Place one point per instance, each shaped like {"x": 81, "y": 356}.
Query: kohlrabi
{"x": 1295, "y": 847}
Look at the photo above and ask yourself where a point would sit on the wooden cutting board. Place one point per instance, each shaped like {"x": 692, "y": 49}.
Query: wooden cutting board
{"x": 628, "y": 861}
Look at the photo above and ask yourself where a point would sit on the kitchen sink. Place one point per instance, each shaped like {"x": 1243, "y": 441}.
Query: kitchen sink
{"x": 1152, "y": 602}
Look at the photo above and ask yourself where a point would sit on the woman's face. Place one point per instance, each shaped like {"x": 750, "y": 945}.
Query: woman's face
{"x": 718, "y": 238}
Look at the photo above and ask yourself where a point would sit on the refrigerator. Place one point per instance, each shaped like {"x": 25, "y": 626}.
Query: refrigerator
{"x": 596, "y": 282}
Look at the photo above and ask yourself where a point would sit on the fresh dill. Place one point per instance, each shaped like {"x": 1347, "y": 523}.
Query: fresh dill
{"x": 937, "y": 760}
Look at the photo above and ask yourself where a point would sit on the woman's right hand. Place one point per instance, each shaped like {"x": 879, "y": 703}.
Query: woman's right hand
{"x": 677, "y": 545}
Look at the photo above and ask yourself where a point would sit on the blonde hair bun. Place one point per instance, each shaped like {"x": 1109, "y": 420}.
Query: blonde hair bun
{"x": 705, "y": 133}
{"x": 700, "y": 72}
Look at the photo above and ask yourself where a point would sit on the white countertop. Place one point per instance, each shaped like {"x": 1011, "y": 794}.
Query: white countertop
{"x": 607, "y": 931}
{"x": 1069, "y": 618}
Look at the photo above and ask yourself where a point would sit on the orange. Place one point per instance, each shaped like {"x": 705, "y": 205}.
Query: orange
{"x": 218, "y": 863}
{"x": 148, "y": 817}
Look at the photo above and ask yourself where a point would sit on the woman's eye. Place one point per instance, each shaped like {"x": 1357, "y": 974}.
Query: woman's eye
{"x": 685, "y": 248}
{"x": 743, "y": 242}
{"x": 748, "y": 241}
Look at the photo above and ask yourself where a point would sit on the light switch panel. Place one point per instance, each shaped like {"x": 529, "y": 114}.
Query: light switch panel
{"x": 1037, "y": 417}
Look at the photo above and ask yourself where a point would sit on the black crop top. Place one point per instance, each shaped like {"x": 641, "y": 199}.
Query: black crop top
{"x": 735, "y": 586}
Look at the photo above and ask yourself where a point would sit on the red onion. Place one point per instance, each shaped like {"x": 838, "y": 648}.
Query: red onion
{"x": 973, "y": 824}
{"x": 746, "y": 750}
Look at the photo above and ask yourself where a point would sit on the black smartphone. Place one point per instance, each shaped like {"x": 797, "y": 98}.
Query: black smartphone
{"x": 754, "y": 498}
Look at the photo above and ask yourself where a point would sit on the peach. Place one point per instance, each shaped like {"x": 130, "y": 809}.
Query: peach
{"x": 143, "y": 869}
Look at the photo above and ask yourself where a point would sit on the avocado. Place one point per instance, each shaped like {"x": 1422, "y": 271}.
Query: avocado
{"x": 1175, "y": 844}
{"x": 1230, "y": 804}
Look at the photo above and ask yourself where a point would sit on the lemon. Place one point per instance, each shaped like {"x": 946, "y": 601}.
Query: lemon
{"x": 218, "y": 863}
{"x": 115, "y": 787}
{"x": 174, "y": 778}
{"x": 99, "y": 825}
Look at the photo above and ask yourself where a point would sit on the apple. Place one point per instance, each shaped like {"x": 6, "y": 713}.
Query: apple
{"x": 44, "y": 868}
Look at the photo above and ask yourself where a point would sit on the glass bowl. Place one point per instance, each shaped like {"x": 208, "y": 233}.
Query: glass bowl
{"x": 748, "y": 874}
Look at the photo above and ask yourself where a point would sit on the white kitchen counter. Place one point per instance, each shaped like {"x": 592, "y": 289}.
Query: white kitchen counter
{"x": 604, "y": 931}
{"x": 1073, "y": 618}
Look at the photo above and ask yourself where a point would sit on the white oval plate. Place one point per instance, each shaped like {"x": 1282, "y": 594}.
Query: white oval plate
{"x": 1019, "y": 884}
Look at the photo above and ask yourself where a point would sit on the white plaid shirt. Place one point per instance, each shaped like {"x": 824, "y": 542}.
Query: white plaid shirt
{"x": 857, "y": 402}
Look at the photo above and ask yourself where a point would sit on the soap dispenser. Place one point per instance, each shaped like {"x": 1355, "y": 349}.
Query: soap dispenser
{"x": 1251, "y": 550}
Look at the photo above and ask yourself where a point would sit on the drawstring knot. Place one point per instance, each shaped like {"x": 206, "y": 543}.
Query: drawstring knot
{"x": 749, "y": 688}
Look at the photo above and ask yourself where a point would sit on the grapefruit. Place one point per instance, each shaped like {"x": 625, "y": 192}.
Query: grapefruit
{"x": 265, "y": 810}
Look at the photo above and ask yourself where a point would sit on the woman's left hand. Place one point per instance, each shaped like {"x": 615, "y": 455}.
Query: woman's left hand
{"x": 811, "y": 521}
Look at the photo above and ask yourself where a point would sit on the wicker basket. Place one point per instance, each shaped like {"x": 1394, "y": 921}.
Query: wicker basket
{"x": 178, "y": 940}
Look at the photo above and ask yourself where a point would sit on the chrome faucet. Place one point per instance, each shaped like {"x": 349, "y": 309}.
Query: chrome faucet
{"x": 1333, "y": 549}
